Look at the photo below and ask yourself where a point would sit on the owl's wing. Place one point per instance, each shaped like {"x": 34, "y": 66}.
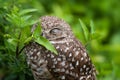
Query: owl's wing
{"x": 37, "y": 62}
{"x": 81, "y": 62}
{"x": 72, "y": 62}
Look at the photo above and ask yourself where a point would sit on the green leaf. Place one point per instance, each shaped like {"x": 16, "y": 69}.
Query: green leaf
{"x": 85, "y": 30}
{"x": 15, "y": 9}
{"x": 92, "y": 27}
{"x": 7, "y": 36}
{"x": 25, "y": 35}
{"x": 44, "y": 42}
{"x": 28, "y": 40}
{"x": 14, "y": 19}
{"x": 94, "y": 36}
{"x": 26, "y": 11}
{"x": 41, "y": 40}
{"x": 37, "y": 30}
{"x": 19, "y": 19}
{"x": 26, "y": 17}
{"x": 32, "y": 22}
{"x": 11, "y": 44}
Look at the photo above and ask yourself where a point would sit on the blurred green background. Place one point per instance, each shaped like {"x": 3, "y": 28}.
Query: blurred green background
{"x": 104, "y": 50}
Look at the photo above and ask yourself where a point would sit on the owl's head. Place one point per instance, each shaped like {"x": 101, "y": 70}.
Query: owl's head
{"x": 54, "y": 28}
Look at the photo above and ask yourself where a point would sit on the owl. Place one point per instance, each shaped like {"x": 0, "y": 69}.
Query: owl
{"x": 72, "y": 61}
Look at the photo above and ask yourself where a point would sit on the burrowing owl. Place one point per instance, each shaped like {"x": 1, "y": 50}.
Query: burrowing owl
{"x": 72, "y": 61}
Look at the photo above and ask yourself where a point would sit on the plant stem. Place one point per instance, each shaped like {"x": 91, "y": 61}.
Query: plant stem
{"x": 17, "y": 47}
{"x": 21, "y": 49}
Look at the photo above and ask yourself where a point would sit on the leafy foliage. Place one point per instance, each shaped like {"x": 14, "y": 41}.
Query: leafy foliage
{"x": 89, "y": 34}
{"x": 85, "y": 30}
{"x": 17, "y": 38}
{"x": 41, "y": 40}
{"x": 102, "y": 37}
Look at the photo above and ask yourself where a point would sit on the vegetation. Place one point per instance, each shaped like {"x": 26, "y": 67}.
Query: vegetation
{"x": 95, "y": 23}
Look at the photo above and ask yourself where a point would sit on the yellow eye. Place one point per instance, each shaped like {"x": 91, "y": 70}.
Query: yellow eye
{"x": 55, "y": 31}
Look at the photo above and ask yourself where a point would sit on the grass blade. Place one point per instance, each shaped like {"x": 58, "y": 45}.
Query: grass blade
{"x": 85, "y": 30}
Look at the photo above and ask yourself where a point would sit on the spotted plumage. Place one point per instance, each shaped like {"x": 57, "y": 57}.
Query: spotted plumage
{"x": 72, "y": 61}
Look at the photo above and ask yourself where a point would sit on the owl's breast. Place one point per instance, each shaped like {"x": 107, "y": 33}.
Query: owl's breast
{"x": 71, "y": 63}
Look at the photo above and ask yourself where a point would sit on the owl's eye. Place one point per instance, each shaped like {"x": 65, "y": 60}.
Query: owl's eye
{"x": 56, "y": 31}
